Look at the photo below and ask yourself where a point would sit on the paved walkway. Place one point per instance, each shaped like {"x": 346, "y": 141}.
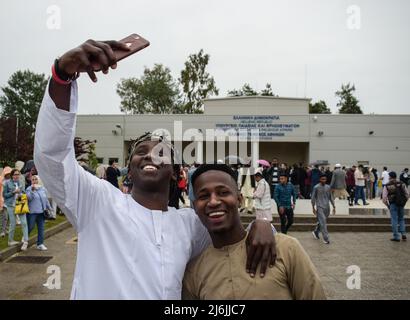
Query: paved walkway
{"x": 385, "y": 272}
{"x": 25, "y": 281}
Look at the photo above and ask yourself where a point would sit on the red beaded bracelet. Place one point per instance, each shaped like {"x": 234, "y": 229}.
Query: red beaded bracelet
{"x": 57, "y": 79}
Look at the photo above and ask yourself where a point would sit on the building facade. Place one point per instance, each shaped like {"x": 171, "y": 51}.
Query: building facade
{"x": 286, "y": 130}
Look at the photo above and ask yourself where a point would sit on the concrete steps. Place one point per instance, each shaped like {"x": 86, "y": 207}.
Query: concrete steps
{"x": 335, "y": 223}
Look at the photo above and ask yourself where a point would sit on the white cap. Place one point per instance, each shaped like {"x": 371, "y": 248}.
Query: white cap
{"x": 19, "y": 165}
{"x": 338, "y": 165}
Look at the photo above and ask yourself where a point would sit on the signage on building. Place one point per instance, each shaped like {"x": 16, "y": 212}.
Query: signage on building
{"x": 269, "y": 126}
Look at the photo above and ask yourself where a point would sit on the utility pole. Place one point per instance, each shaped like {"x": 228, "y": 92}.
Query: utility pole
{"x": 306, "y": 80}
{"x": 17, "y": 135}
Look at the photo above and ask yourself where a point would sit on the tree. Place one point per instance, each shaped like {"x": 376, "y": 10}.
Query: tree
{"x": 197, "y": 84}
{"x": 348, "y": 103}
{"x": 84, "y": 150}
{"x": 248, "y": 91}
{"x": 92, "y": 157}
{"x": 22, "y": 98}
{"x": 12, "y": 147}
{"x": 155, "y": 92}
{"x": 319, "y": 107}
{"x": 268, "y": 91}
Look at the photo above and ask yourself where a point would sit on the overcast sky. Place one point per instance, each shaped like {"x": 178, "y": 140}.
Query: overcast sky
{"x": 255, "y": 41}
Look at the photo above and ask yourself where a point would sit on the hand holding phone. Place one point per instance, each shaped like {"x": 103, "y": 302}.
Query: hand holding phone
{"x": 134, "y": 43}
{"x": 93, "y": 56}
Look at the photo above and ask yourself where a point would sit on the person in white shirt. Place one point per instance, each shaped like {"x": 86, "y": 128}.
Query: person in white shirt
{"x": 360, "y": 182}
{"x": 385, "y": 179}
{"x": 246, "y": 182}
{"x": 129, "y": 246}
{"x": 263, "y": 202}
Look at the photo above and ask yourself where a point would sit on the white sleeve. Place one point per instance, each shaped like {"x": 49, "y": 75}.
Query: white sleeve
{"x": 200, "y": 238}
{"x": 76, "y": 191}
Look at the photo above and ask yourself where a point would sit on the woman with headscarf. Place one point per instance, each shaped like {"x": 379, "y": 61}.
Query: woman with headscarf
{"x": 38, "y": 203}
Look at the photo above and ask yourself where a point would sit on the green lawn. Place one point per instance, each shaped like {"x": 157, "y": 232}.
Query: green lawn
{"x": 18, "y": 234}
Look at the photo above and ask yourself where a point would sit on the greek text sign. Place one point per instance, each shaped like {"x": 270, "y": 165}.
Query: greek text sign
{"x": 269, "y": 126}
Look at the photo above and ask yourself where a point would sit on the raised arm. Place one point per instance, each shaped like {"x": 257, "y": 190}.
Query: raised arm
{"x": 69, "y": 184}
{"x": 91, "y": 55}
{"x": 29, "y": 193}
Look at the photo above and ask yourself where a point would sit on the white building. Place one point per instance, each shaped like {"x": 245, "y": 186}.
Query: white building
{"x": 286, "y": 131}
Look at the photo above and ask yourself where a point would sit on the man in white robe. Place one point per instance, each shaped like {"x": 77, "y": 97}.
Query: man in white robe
{"x": 129, "y": 246}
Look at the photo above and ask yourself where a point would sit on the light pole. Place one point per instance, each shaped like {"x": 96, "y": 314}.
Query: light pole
{"x": 122, "y": 128}
{"x": 17, "y": 134}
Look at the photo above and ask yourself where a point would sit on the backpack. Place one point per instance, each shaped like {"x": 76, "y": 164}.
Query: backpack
{"x": 400, "y": 197}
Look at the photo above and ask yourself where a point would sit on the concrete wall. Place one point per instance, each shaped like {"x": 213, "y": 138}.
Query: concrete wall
{"x": 100, "y": 128}
{"x": 346, "y": 140}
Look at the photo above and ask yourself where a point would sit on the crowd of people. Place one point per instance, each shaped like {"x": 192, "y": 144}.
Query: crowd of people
{"x": 283, "y": 185}
{"x": 278, "y": 184}
{"x": 24, "y": 201}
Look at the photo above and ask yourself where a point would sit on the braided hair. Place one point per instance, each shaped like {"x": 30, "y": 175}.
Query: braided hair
{"x": 149, "y": 136}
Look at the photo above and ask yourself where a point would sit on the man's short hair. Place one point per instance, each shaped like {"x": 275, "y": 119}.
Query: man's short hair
{"x": 258, "y": 174}
{"x": 111, "y": 162}
{"x": 283, "y": 174}
{"x": 323, "y": 175}
{"x": 212, "y": 166}
{"x": 393, "y": 175}
{"x": 384, "y": 168}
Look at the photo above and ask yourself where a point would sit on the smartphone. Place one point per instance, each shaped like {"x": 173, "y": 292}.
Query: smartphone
{"x": 134, "y": 41}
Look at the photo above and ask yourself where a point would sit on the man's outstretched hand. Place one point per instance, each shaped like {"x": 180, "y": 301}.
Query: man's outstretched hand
{"x": 91, "y": 56}
{"x": 260, "y": 248}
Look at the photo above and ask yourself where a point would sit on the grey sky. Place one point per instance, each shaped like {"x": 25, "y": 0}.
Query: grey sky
{"x": 249, "y": 41}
